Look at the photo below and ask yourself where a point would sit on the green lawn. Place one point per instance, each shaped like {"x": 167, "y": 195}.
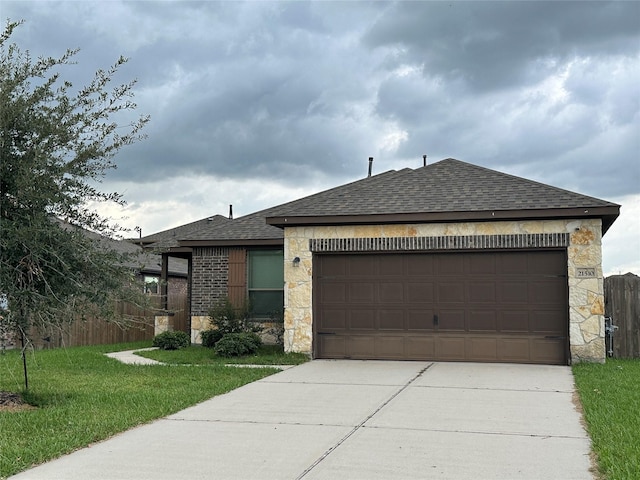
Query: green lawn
{"x": 198, "y": 355}
{"x": 83, "y": 397}
{"x": 610, "y": 395}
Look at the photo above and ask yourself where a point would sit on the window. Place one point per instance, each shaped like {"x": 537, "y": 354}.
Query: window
{"x": 151, "y": 284}
{"x": 266, "y": 282}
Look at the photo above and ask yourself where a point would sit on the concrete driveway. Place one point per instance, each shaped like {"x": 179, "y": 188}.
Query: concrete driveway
{"x": 359, "y": 420}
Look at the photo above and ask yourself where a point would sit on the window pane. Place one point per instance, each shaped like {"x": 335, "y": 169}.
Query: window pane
{"x": 266, "y": 304}
{"x": 266, "y": 269}
{"x": 151, "y": 284}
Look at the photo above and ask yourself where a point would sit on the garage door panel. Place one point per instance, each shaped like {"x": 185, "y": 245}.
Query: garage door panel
{"x": 391, "y": 292}
{"x": 483, "y": 320}
{"x": 483, "y": 291}
{"x": 420, "y": 319}
{"x": 332, "y": 319}
{"x": 361, "y": 292}
{"x": 361, "y": 346}
{"x": 451, "y": 348}
{"x": 333, "y": 293}
{"x": 471, "y": 306}
{"x": 391, "y": 265}
{"x": 390, "y": 347}
{"x": 551, "y": 263}
{"x": 516, "y": 263}
{"x": 514, "y": 321}
{"x": 482, "y": 348}
{"x": 420, "y": 347}
{"x": 332, "y": 266}
{"x": 391, "y": 319}
{"x": 451, "y": 320}
{"x": 514, "y": 292}
{"x": 420, "y": 265}
{"x": 548, "y": 350}
{"x": 422, "y": 292}
{"x": 548, "y": 292}
{"x": 481, "y": 264}
{"x": 362, "y": 319}
{"x": 332, "y": 346}
{"x": 449, "y": 292}
{"x": 362, "y": 266}
{"x": 450, "y": 265}
{"x": 515, "y": 350}
{"x": 547, "y": 321}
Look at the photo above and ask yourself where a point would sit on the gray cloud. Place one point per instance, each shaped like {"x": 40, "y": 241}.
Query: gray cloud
{"x": 300, "y": 89}
{"x": 497, "y": 45}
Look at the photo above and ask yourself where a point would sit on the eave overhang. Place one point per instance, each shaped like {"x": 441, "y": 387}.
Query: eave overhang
{"x": 233, "y": 243}
{"x": 608, "y": 215}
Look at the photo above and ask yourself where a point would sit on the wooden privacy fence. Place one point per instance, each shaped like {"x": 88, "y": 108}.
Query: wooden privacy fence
{"x": 97, "y": 331}
{"x": 622, "y": 304}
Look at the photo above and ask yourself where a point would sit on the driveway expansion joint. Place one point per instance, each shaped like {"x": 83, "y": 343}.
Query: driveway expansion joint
{"x": 361, "y": 424}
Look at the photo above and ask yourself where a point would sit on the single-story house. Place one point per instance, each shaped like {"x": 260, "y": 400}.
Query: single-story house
{"x": 450, "y": 262}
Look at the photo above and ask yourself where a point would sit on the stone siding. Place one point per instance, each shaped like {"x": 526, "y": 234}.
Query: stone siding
{"x": 586, "y": 295}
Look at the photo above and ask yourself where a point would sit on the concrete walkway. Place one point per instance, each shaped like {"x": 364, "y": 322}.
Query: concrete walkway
{"x": 128, "y": 356}
{"x": 358, "y": 420}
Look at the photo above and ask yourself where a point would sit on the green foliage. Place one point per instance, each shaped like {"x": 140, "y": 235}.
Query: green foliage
{"x": 199, "y": 355}
{"x": 225, "y": 319}
{"x": 610, "y": 400}
{"x": 172, "y": 340}
{"x": 210, "y": 337}
{"x": 238, "y": 344}
{"x": 85, "y": 397}
{"x": 56, "y": 143}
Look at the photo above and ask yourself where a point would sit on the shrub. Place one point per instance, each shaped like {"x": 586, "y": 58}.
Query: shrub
{"x": 225, "y": 319}
{"x": 238, "y": 344}
{"x": 171, "y": 340}
{"x": 210, "y": 337}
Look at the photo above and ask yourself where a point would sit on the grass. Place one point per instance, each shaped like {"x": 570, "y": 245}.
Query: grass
{"x": 198, "y": 355}
{"x": 610, "y": 396}
{"x": 84, "y": 397}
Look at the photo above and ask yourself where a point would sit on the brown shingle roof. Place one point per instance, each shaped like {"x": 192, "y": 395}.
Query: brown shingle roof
{"x": 449, "y": 190}
{"x": 254, "y": 228}
{"x": 171, "y": 237}
{"x": 446, "y": 191}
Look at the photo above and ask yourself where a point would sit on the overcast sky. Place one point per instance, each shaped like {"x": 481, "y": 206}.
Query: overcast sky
{"x": 254, "y": 104}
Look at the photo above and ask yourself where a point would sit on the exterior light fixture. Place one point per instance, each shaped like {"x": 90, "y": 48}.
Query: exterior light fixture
{"x": 296, "y": 262}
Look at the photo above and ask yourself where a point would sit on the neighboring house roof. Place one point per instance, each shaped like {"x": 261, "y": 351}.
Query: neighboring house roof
{"x": 449, "y": 190}
{"x": 139, "y": 260}
{"x": 445, "y": 191}
{"x": 170, "y": 238}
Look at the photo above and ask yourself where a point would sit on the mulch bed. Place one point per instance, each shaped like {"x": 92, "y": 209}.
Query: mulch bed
{"x": 13, "y": 402}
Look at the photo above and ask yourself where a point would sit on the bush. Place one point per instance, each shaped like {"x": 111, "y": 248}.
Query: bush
{"x": 238, "y": 344}
{"x": 226, "y": 319}
{"x": 171, "y": 340}
{"x": 211, "y": 337}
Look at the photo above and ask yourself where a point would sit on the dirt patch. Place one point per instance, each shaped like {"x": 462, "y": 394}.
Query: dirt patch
{"x": 595, "y": 469}
{"x": 13, "y": 402}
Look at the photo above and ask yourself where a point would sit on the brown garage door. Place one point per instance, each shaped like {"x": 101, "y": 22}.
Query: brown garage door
{"x": 488, "y": 307}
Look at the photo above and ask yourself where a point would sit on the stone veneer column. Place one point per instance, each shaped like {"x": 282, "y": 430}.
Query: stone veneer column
{"x": 586, "y": 295}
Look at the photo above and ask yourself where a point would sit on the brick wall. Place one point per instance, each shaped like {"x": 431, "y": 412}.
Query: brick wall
{"x": 210, "y": 275}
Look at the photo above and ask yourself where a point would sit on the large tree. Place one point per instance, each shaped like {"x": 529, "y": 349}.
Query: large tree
{"x": 57, "y": 141}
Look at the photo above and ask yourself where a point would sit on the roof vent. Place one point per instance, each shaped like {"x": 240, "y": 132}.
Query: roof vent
{"x": 230, "y": 212}
{"x": 370, "y": 165}
{"x": 424, "y": 160}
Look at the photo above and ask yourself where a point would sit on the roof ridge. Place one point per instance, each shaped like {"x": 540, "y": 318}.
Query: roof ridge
{"x": 360, "y": 183}
{"x": 183, "y": 226}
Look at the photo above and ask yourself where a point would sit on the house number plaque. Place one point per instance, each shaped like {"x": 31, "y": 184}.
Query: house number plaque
{"x": 585, "y": 272}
